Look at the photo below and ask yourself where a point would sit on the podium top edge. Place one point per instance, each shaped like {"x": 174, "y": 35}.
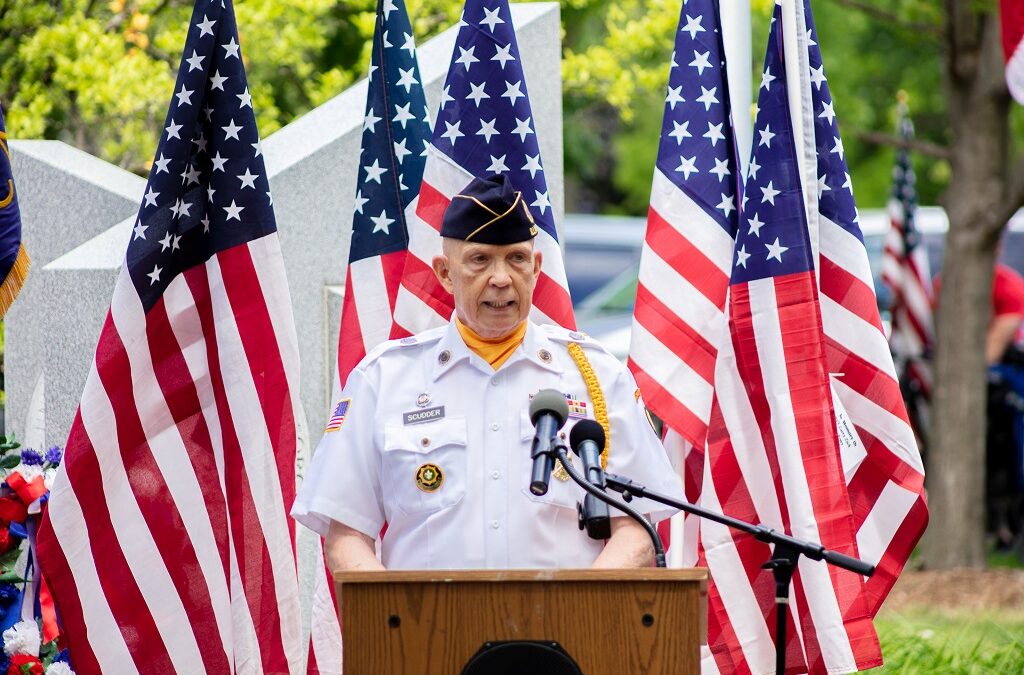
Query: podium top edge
{"x": 646, "y": 574}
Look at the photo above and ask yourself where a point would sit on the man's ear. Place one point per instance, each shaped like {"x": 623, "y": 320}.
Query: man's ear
{"x": 538, "y": 258}
{"x": 443, "y": 272}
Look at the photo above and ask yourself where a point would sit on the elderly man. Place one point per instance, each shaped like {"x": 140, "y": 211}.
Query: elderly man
{"x": 432, "y": 436}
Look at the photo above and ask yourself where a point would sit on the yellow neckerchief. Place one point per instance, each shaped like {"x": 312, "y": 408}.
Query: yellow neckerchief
{"x": 496, "y": 351}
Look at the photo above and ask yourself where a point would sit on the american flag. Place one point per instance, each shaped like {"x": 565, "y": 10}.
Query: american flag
{"x": 14, "y": 262}
{"x": 684, "y": 267}
{"x": 167, "y": 542}
{"x": 679, "y": 314}
{"x": 774, "y": 455}
{"x": 396, "y": 133}
{"x": 484, "y": 126}
{"x": 905, "y": 270}
{"x": 881, "y": 459}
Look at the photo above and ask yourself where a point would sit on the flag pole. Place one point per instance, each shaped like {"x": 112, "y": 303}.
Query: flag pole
{"x": 736, "y": 39}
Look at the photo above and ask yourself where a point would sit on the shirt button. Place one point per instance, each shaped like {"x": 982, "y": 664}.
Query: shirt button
{"x": 495, "y": 475}
{"x": 495, "y": 524}
{"x": 495, "y": 383}
{"x": 495, "y": 426}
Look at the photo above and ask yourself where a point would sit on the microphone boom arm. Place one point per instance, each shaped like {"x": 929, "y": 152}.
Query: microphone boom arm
{"x": 786, "y": 552}
{"x": 561, "y": 452}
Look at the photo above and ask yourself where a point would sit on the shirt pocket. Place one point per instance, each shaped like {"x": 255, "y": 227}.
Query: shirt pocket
{"x": 424, "y": 465}
{"x": 560, "y": 493}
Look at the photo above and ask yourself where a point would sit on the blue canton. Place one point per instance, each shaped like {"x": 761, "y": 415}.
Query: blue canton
{"x": 835, "y": 189}
{"x": 772, "y": 239}
{"x": 396, "y": 132}
{"x": 208, "y": 189}
{"x": 698, "y": 149}
{"x": 485, "y": 123}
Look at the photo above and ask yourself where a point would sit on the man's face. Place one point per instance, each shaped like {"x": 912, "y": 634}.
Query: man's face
{"x": 493, "y": 285}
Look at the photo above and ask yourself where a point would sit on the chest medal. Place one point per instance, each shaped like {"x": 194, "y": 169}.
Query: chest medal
{"x": 429, "y": 477}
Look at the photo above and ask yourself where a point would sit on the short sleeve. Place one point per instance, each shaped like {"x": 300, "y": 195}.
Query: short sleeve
{"x": 1007, "y": 292}
{"x": 636, "y": 451}
{"x": 343, "y": 480}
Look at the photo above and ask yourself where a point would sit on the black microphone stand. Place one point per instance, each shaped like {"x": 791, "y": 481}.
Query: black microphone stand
{"x": 785, "y": 553}
{"x": 561, "y": 452}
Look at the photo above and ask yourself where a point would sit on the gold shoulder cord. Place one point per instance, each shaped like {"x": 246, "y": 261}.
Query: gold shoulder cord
{"x": 596, "y": 396}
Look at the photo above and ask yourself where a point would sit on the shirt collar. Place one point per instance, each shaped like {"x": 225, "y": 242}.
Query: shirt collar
{"x": 536, "y": 348}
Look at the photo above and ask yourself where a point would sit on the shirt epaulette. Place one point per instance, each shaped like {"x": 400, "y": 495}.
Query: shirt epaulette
{"x": 422, "y": 339}
{"x": 565, "y": 335}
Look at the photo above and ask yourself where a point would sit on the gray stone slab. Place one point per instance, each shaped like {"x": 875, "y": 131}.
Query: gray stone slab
{"x": 66, "y": 197}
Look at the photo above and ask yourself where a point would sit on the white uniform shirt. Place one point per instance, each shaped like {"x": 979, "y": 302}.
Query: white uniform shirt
{"x": 429, "y": 402}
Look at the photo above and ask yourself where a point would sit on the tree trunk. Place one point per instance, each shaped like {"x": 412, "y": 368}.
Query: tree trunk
{"x": 978, "y": 112}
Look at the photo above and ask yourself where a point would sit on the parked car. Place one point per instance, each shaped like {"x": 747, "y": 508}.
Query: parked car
{"x": 602, "y": 255}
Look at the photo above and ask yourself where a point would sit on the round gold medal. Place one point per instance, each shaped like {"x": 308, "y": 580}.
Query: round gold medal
{"x": 429, "y": 477}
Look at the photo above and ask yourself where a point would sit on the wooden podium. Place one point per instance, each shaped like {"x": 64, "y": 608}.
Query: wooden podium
{"x": 609, "y": 622}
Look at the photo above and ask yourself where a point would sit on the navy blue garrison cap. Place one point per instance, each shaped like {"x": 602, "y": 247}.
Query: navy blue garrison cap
{"x": 489, "y": 211}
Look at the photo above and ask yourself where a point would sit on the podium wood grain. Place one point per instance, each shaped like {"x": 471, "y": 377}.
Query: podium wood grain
{"x": 600, "y": 617}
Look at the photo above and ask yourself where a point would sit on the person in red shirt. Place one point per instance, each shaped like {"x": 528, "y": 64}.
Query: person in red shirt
{"x": 1007, "y": 312}
{"x": 1004, "y": 352}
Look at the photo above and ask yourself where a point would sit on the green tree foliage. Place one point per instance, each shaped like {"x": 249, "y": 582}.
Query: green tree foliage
{"x": 98, "y": 75}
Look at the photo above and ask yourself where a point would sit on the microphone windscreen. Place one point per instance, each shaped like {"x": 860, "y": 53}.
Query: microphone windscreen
{"x": 549, "y": 401}
{"x": 586, "y": 430}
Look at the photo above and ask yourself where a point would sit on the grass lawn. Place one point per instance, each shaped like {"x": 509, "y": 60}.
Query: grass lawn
{"x": 920, "y": 640}
{"x": 956, "y": 622}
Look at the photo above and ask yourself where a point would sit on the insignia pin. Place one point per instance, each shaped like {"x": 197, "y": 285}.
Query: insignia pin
{"x": 444, "y": 357}
{"x": 429, "y": 477}
{"x": 423, "y": 400}
{"x": 544, "y": 355}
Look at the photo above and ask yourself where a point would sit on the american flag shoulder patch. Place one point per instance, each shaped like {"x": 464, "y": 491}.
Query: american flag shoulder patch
{"x": 338, "y": 416}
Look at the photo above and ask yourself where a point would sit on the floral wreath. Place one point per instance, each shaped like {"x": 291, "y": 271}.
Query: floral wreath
{"x": 32, "y": 643}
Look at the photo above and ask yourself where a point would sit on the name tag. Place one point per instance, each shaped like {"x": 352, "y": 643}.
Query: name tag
{"x": 418, "y": 416}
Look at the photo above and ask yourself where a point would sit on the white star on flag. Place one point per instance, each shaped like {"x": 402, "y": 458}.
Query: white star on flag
{"x": 775, "y": 250}
{"x": 381, "y": 223}
{"x": 374, "y": 171}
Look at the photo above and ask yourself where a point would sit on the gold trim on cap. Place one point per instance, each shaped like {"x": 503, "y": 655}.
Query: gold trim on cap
{"x": 497, "y": 217}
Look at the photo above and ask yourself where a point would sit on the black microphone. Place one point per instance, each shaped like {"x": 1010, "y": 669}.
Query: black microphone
{"x": 548, "y": 412}
{"x": 587, "y": 440}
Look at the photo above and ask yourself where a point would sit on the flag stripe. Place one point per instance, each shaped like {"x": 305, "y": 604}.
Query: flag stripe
{"x": 897, "y": 553}
{"x": 651, "y": 356}
{"x": 665, "y": 405}
{"x": 869, "y": 416}
{"x": 690, "y": 345}
{"x": 87, "y": 610}
{"x": 251, "y": 557}
{"x": 166, "y": 403}
{"x": 232, "y": 285}
{"x": 806, "y": 451}
{"x": 368, "y": 289}
{"x": 263, "y": 354}
{"x": 860, "y": 376}
{"x": 850, "y": 293}
{"x": 168, "y": 586}
{"x": 112, "y": 509}
{"x": 246, "y": 548}
{"x": 674, "y": 254}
